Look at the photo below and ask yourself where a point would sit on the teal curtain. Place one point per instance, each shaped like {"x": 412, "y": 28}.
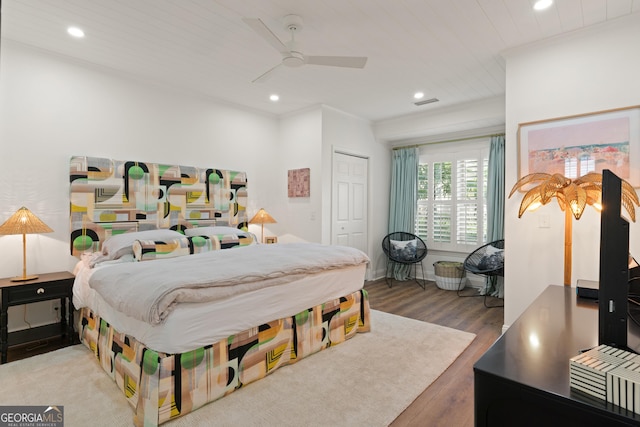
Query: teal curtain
{"x": 495, "y": 202}
{"x": 402, "y": 201}
{"x": 495, "y": 190}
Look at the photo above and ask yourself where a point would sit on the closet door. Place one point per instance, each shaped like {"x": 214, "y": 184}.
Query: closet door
{"x": 349, "y": 201}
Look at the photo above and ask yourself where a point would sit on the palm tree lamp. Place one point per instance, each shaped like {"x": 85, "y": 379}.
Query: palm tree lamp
{"x": 24, "y": 222}
{"x": 262, "y": 218}
{"x": 572, "y": 196}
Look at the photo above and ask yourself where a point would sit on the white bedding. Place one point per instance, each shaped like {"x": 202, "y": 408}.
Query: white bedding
{"x": 194, "y": 325}
{"x": 149, "y": 291}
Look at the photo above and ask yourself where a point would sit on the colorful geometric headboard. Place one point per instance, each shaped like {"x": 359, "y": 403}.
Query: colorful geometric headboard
{"x": 110, "y": 197}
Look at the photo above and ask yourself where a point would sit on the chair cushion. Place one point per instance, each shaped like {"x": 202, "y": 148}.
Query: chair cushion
{"x": 403, "y": 250}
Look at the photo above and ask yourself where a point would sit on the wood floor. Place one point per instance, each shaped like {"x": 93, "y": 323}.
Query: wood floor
{"x": 449, "y": 400}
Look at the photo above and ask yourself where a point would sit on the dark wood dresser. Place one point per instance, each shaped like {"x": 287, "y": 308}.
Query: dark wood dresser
{"x": 523, "y": 379}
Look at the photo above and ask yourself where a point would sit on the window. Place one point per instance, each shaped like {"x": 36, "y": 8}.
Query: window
{"x": 452, "y": 191}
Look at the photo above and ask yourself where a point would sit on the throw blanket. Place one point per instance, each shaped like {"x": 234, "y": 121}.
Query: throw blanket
{"x": 149, "y": 290}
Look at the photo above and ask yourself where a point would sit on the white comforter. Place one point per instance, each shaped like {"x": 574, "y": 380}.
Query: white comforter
{"x": 149, "y": 290}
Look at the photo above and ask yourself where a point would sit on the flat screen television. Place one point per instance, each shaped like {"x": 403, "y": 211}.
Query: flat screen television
{"x": 614, "y": 266}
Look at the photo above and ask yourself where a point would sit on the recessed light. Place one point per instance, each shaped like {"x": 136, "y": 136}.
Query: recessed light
{"x": 274, "y": 98}
{"x": 75, "y": 32}
{"x": 542, "y": 4}
{"x": 418, "y": 95}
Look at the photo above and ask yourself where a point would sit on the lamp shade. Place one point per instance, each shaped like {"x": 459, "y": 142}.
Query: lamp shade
{"x": 24, "y": 222}
{"x": 262, "y": 217}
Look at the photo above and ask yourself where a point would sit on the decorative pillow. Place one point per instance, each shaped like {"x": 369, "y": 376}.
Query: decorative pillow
{"x": 490, "y": 250}
{"x": 200, "y": 244}
{"x": 145, "y": 250}
{"x": 122, "y": 244}
{"x": 492, "y": 260}
{"x": 403, "y": 250}
{"x": 228, "y": 237}
{"x": 235, "y": 240}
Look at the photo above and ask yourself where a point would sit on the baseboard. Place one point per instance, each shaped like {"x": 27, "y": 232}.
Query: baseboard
{"x": 473, "y": 281}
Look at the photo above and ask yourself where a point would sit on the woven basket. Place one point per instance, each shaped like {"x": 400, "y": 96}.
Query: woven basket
{"x": 448, "y": 275}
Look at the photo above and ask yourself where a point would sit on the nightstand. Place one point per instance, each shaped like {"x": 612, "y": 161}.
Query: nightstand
{"x": 48, "y": 286}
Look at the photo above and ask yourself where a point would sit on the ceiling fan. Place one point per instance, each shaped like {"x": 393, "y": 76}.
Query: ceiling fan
{"x": 290, "y": 51}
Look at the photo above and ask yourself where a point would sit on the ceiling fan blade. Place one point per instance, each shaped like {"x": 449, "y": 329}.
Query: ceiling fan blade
{"x": 263, "y": 31}
{"x": 337, "y": 61}
{"x": 266, "y": 75}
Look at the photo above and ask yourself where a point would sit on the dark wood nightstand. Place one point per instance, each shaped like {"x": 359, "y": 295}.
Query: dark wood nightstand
{"x": 46, "y": 287}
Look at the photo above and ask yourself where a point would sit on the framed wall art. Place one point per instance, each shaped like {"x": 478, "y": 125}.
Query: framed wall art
{"x": 575, "y": 145}
{"x": 299, "y": 182}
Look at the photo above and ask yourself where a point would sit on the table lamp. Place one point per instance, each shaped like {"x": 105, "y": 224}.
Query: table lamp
{"x": 262, "y": 218}
{"x": 24, "y": 222}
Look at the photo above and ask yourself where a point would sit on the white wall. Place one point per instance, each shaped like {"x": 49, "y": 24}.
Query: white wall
{"x": 300, "y": 147}
{"x": 350, "y": 134}
{"x": 584, "y": 72}
{"x": 52, "y": 108}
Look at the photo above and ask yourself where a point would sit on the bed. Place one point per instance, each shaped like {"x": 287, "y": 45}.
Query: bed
{"x": 179, "y": 303}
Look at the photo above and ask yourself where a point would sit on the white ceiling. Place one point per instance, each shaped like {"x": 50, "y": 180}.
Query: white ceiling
{"x": 449, "y": 49}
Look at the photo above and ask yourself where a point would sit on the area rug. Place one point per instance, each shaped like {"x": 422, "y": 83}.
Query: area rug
{"x": 380, "y": 373}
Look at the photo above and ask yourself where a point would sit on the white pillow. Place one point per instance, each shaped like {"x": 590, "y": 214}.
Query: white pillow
{"x": 122, "y": 244}
{"x": 213, "y": 230}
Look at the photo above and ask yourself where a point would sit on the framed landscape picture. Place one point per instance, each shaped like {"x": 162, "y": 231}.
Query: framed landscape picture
{"x": 575, "y": 145}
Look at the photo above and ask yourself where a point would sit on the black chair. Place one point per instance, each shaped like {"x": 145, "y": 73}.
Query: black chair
{"x": 487, "y": 261}
{"x": 405, "y": 249}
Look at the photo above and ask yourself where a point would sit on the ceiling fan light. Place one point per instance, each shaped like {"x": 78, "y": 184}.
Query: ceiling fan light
{"x": 293, "y": 60}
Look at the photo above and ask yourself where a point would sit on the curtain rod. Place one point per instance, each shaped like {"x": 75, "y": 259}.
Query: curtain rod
{"x": 449, "y": 140}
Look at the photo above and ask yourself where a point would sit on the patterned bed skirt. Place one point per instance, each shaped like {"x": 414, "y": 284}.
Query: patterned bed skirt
{"x": 163, "y": 386}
